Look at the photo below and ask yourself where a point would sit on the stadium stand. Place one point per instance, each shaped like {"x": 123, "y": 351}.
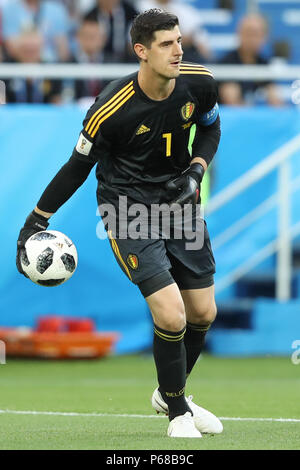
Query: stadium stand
{"x": 49, "y": 18}
{"x": 219, "y": 20}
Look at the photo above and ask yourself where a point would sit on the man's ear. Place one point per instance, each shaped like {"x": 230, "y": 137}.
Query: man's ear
{"x": 141, "y": 51}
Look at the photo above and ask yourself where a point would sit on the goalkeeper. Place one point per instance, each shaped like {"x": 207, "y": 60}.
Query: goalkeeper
{"x": 137, "y": 133}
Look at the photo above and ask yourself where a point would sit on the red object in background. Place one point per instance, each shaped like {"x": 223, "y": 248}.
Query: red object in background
{"x": 50, "y": 324}
{"x": 81, "y": 325}
{"x": 56, "y": 324}
{"x": 58, "y": 338}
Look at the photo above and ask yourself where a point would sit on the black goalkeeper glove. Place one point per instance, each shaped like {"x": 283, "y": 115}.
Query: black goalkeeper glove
{"x": 33, "y": 224}
{"x": 188, "y": 185}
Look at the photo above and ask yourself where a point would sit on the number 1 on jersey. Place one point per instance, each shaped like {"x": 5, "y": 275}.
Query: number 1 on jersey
{"x": 168, "y": 138}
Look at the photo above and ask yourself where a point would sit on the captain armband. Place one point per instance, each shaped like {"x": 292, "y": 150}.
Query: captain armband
{"x": 206, "y": 119}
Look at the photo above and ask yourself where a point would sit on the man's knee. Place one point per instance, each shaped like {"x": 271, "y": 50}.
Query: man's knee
{"x": 174, "y": 322}
{"x": 210, "y": 315}
{"x": 170, "y": 316}
{"x": 167, "y": 308}
{"x": 203, "y": 314}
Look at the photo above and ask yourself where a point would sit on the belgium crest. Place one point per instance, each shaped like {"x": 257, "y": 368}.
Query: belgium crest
{"x": 133, "y": 261}
{"x": 187, "y": 110}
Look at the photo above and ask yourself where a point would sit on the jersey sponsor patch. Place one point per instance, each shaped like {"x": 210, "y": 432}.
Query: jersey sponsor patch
{"x": 206, "y": 119}
{"x": 187, "y": 125}
{"x": 83, "y": 145}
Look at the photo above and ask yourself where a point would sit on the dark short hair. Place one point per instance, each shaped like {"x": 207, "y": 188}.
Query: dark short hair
{"x": 147, "y": 23}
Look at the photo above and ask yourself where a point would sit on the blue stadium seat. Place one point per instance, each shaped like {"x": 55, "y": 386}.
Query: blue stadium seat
{"x": 283, "y": 19}
{"x": 204, "y": 3}
{"x": 279, "y": 17}
{"x": 273, "y": 331}
{"x": 234, "y": 313}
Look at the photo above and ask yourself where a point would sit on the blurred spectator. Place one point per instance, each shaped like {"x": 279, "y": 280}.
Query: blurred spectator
{"x": 195, "y": 41}
{"x": 48, "y": 17}
{"x": 117, "y": 16}
{"x": 1, "y": 39}
{"x": 20, "y": 90}
{"x": 78, "y": 7}
{"x": 252, "y": 32}
{"x": 91, "y": 41}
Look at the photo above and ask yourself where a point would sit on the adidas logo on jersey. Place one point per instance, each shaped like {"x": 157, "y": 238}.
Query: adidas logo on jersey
{"x": 142, "y": 130}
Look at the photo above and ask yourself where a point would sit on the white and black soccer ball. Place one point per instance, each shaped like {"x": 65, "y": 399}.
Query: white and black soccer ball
{"x": 50, "y": 258}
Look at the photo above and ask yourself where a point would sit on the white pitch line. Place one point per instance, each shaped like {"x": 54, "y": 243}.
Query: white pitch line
{"x": 62, "y": 413}
{"x": 112, "y": 415}
{"x": 281, "y": 420}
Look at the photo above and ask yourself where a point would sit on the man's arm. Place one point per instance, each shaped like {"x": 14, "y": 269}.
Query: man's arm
{"x": 47, "y": 215}
{"x": 201, "y": 161}
{"x": 207, "y": 137}
{"x": 203, "y": 150}
{"x": 69, "y": 178}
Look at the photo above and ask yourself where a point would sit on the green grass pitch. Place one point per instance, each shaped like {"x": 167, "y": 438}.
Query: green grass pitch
{"x": 98, "y": 392}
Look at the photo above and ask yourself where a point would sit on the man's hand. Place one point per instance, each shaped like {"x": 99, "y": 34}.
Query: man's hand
{"x": 33, "y": 224}
{"x": 188, "y": 185}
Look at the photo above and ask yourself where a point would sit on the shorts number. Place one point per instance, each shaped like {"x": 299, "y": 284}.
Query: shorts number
{"x": 168, "y": 138}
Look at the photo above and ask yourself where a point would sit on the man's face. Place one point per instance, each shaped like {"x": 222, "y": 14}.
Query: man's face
{"x": 252, "y": 34}
{"x": 29, "y": 48}
{"x": 165, "y": 53}
{"x": 108, "y": 5}
{"x": 91, "y": 38}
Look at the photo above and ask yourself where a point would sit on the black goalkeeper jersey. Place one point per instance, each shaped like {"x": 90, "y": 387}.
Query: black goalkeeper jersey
{"x": 138, "y": 143}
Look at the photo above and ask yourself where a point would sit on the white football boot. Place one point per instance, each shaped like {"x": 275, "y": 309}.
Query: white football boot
{"x": 204, "y": 420}
{"x": 183, "y": 426}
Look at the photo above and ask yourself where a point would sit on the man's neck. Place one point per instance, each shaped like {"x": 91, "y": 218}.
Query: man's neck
{"x": 155, "y": 87}
{"x": 247, "y": 57}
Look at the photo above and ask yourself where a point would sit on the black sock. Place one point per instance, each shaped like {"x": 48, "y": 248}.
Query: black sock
{"x": 194, "y": 341}
{"x": 170, "y": 359}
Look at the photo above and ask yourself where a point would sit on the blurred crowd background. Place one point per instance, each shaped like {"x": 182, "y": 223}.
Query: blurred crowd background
{"x": 97, "y": 31}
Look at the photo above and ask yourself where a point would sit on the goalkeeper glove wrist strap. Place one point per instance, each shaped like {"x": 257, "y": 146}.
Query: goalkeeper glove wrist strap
{"x": 37, "y": 221}
{"x": 196, "y": 171}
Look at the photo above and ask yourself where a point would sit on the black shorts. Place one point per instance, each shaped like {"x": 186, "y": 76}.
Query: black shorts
{"x": 155, "y": 263}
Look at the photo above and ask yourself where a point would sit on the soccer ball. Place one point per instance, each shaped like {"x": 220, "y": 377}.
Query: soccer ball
{"x": 50, "y": 258}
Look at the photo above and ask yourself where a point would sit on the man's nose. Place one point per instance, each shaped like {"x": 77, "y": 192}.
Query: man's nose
{"x": 178, "y": 48}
